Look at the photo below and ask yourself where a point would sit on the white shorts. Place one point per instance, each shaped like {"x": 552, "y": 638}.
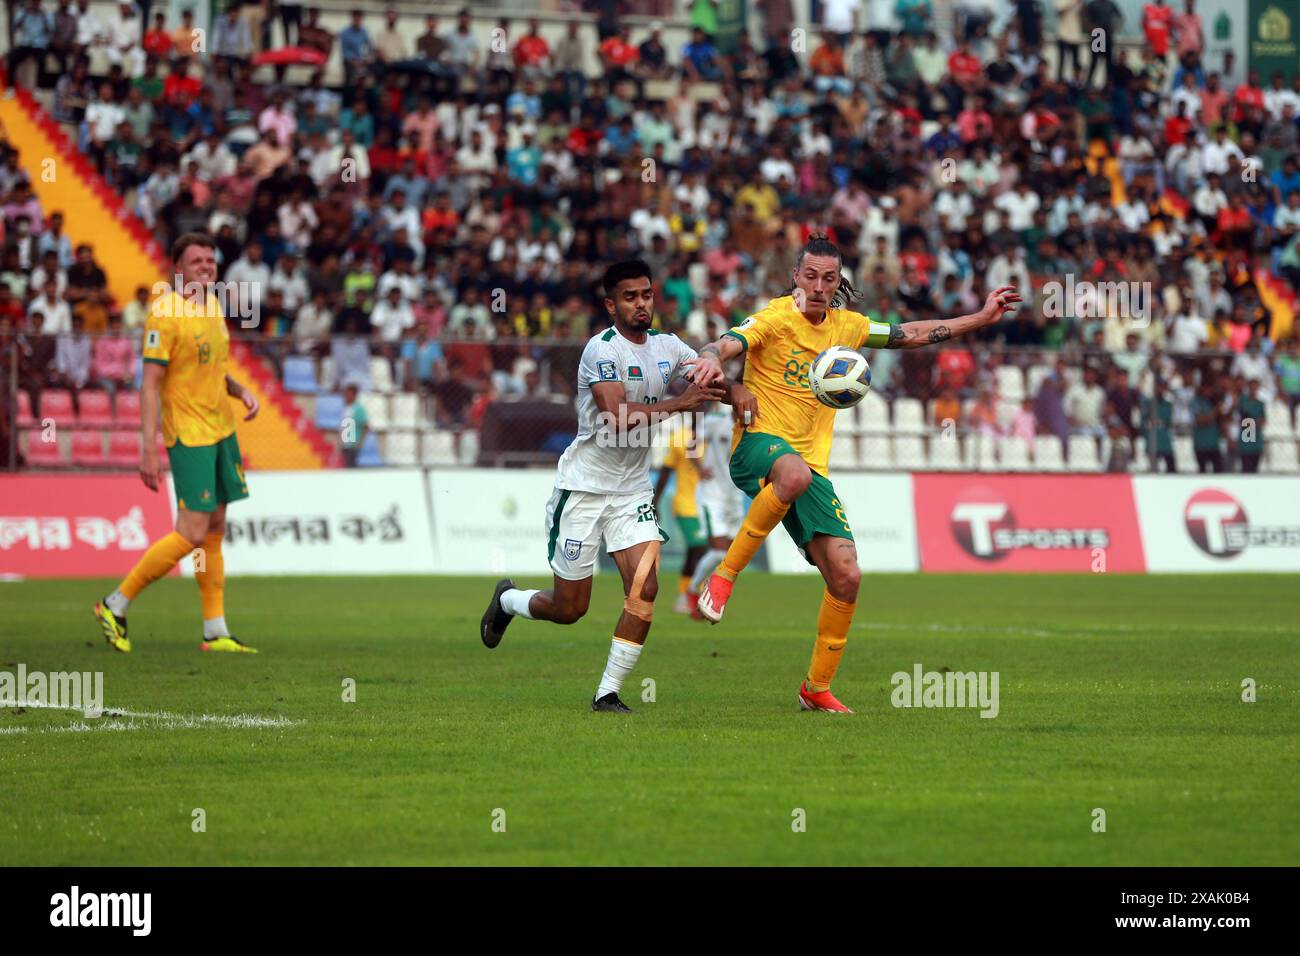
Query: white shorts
{"x": 721, "y": 516}
{"x": 576, "y": 521}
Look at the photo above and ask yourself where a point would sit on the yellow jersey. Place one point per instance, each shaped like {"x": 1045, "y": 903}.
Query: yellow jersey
{"x": 191, "y": 340}
{"x": 780, "y": 344}
{"x": 687, "y": 476}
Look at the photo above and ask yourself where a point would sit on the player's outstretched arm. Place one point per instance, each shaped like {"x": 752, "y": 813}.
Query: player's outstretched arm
{"x": 622, "y": 416}
{"x": 707, "y": 368}
{"x": 915, "y": 335}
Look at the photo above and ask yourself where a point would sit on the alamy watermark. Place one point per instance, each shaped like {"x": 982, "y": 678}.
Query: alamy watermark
{"x": 946, "y": 688}
{"x": 1132, "y": 301}
{"x": 638, "y": 429}
{"x": 237, "y": 300}
{"x": 63, "y": 690}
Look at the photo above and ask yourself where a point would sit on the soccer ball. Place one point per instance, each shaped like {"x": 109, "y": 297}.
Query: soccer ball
{"x": 839, "y": 377}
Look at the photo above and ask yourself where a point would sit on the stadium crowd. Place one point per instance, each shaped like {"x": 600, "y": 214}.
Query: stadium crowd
{"x": 451, "y": 207}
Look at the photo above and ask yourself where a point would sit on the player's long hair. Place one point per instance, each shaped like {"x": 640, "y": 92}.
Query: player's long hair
{"x": 819, "y": 244}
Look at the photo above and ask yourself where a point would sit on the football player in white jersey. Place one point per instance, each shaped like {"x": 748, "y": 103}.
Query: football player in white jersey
{"x": 717, "y": 498}
{"x": 602, "y": 490}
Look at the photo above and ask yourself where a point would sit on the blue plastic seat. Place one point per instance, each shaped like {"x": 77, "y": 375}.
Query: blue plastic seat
{"x": 329, "y": 412}
{"x": 300, "y": 375}
{"x": 370, "y": 457}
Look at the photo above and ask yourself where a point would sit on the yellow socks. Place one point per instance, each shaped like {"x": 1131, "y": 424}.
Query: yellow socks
{"x": 212, "y": 579}
{"x": 833, "y": 622}
{"x": 683, "y": 584}
{"x": 764, "y": 514}
{"x": 154, "y": 563}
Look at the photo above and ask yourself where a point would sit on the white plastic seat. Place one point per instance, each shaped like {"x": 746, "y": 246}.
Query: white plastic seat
{"x": 945, "y": 452}
{"x": 909, "y": 417}
{"x": 1013, "y": 452}
{"x": 1277, "y": 421}
{"x": 402, "y": 447}
{"x": 438, "y": 448}
{"x": 405, "y": 410}
{"x": 909, "y": 452}
{"x": 1048, "y": 454}
{"x": 1280, "y": 456}
{"x": 1141, "y": 460}
{"x": 381, "y": 374}
{"x": 1011, "y": 383}
{"x": 376, "y": 407}
{"x": 468, "y": 453}
{"x": 1083, "y": 453}
{"x": 1184, "y": 454}
{"x": 844, "y": 452}
{"x": 982, "y": 453}
{"x": 1006, "y": 413}
{"x": 875, "y": 452}
{"x": 873, "y": 415}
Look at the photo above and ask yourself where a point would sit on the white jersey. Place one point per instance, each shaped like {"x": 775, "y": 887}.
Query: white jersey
{"x": 598, "y": 460}
{"x": 713, "y": 430}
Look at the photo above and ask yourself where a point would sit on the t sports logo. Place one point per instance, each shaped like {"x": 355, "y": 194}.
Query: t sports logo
{"x": 1217, "y": 523}
{"x": 987, "y": 530}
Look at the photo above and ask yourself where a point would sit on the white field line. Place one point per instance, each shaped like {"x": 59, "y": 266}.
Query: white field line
{"x": 1062, "y": 632}
{"x": 153, "y": 720}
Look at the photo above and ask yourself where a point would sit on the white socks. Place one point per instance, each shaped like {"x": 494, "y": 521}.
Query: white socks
{"x": 708, "y": 564}
{"x": 515, "y": 601}
{"x": 118, "y": 602}
{"x": 216, "y": 627}
{"x": 622, "y": 658}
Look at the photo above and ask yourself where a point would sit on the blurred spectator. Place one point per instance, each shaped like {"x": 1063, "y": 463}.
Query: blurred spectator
{"x": 354, "y": 426}
{"x": 113, "y": 358}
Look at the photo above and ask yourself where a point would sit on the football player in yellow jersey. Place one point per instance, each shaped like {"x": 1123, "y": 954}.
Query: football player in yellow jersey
{"x": 780, "y": 458}
{"x": 186, "y": 346}
{"x": 686, "y": 467}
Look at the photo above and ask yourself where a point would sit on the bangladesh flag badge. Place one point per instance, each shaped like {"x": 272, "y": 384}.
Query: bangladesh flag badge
{"x": 634, "y": 371}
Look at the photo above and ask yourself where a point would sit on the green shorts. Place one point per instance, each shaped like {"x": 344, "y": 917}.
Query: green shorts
{"x": 692, "y": 533}
{"x": 207, "y": 475}
{"x": 816, "y": 511}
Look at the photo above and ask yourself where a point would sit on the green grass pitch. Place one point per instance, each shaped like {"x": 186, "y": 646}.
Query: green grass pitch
{"x": 1116, "y": 692}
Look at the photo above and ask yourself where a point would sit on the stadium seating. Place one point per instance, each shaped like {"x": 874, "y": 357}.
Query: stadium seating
{"x": 1083, "y": 454}
{"x": 438, "y": 448}
{"x": 1048, "y": 455}
{"x": 945, "y": 453}
{"x": 909, "y": 417}
{"x": 123, "y": 449}
{"x": 370, "y": 456}
{"x": 44, "y": 454}
{"x": 875, "y": 452}
{"x": 127, "y": 410}
{"x": 1277, "y": 421}
{"x": 24, "y": 417}
{"x": 56, "y": 404}
{"x": 88, "y": 449}
{"x": 94, "y": 410}
{"x": 376, "y": 406}
{"x": 844, "y": 452}
{"x": 1281, "y": 456}
{"x": 381, "y": 374}
{"x": 1011, "y": 383}
{"x": 909, "y": 452}
{"x": 1013, "y": 453}
{"x": 300, "y": 375}
{"x": 329, "y": 412}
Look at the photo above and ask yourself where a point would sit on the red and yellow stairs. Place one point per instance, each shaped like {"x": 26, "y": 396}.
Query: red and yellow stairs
{"x": 281, "y": 437}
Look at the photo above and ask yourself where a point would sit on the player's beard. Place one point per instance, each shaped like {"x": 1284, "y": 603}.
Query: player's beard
{"x": 639, "y": 321}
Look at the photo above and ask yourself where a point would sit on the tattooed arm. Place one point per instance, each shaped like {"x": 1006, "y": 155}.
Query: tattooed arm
{"x": 915, "y": 335}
